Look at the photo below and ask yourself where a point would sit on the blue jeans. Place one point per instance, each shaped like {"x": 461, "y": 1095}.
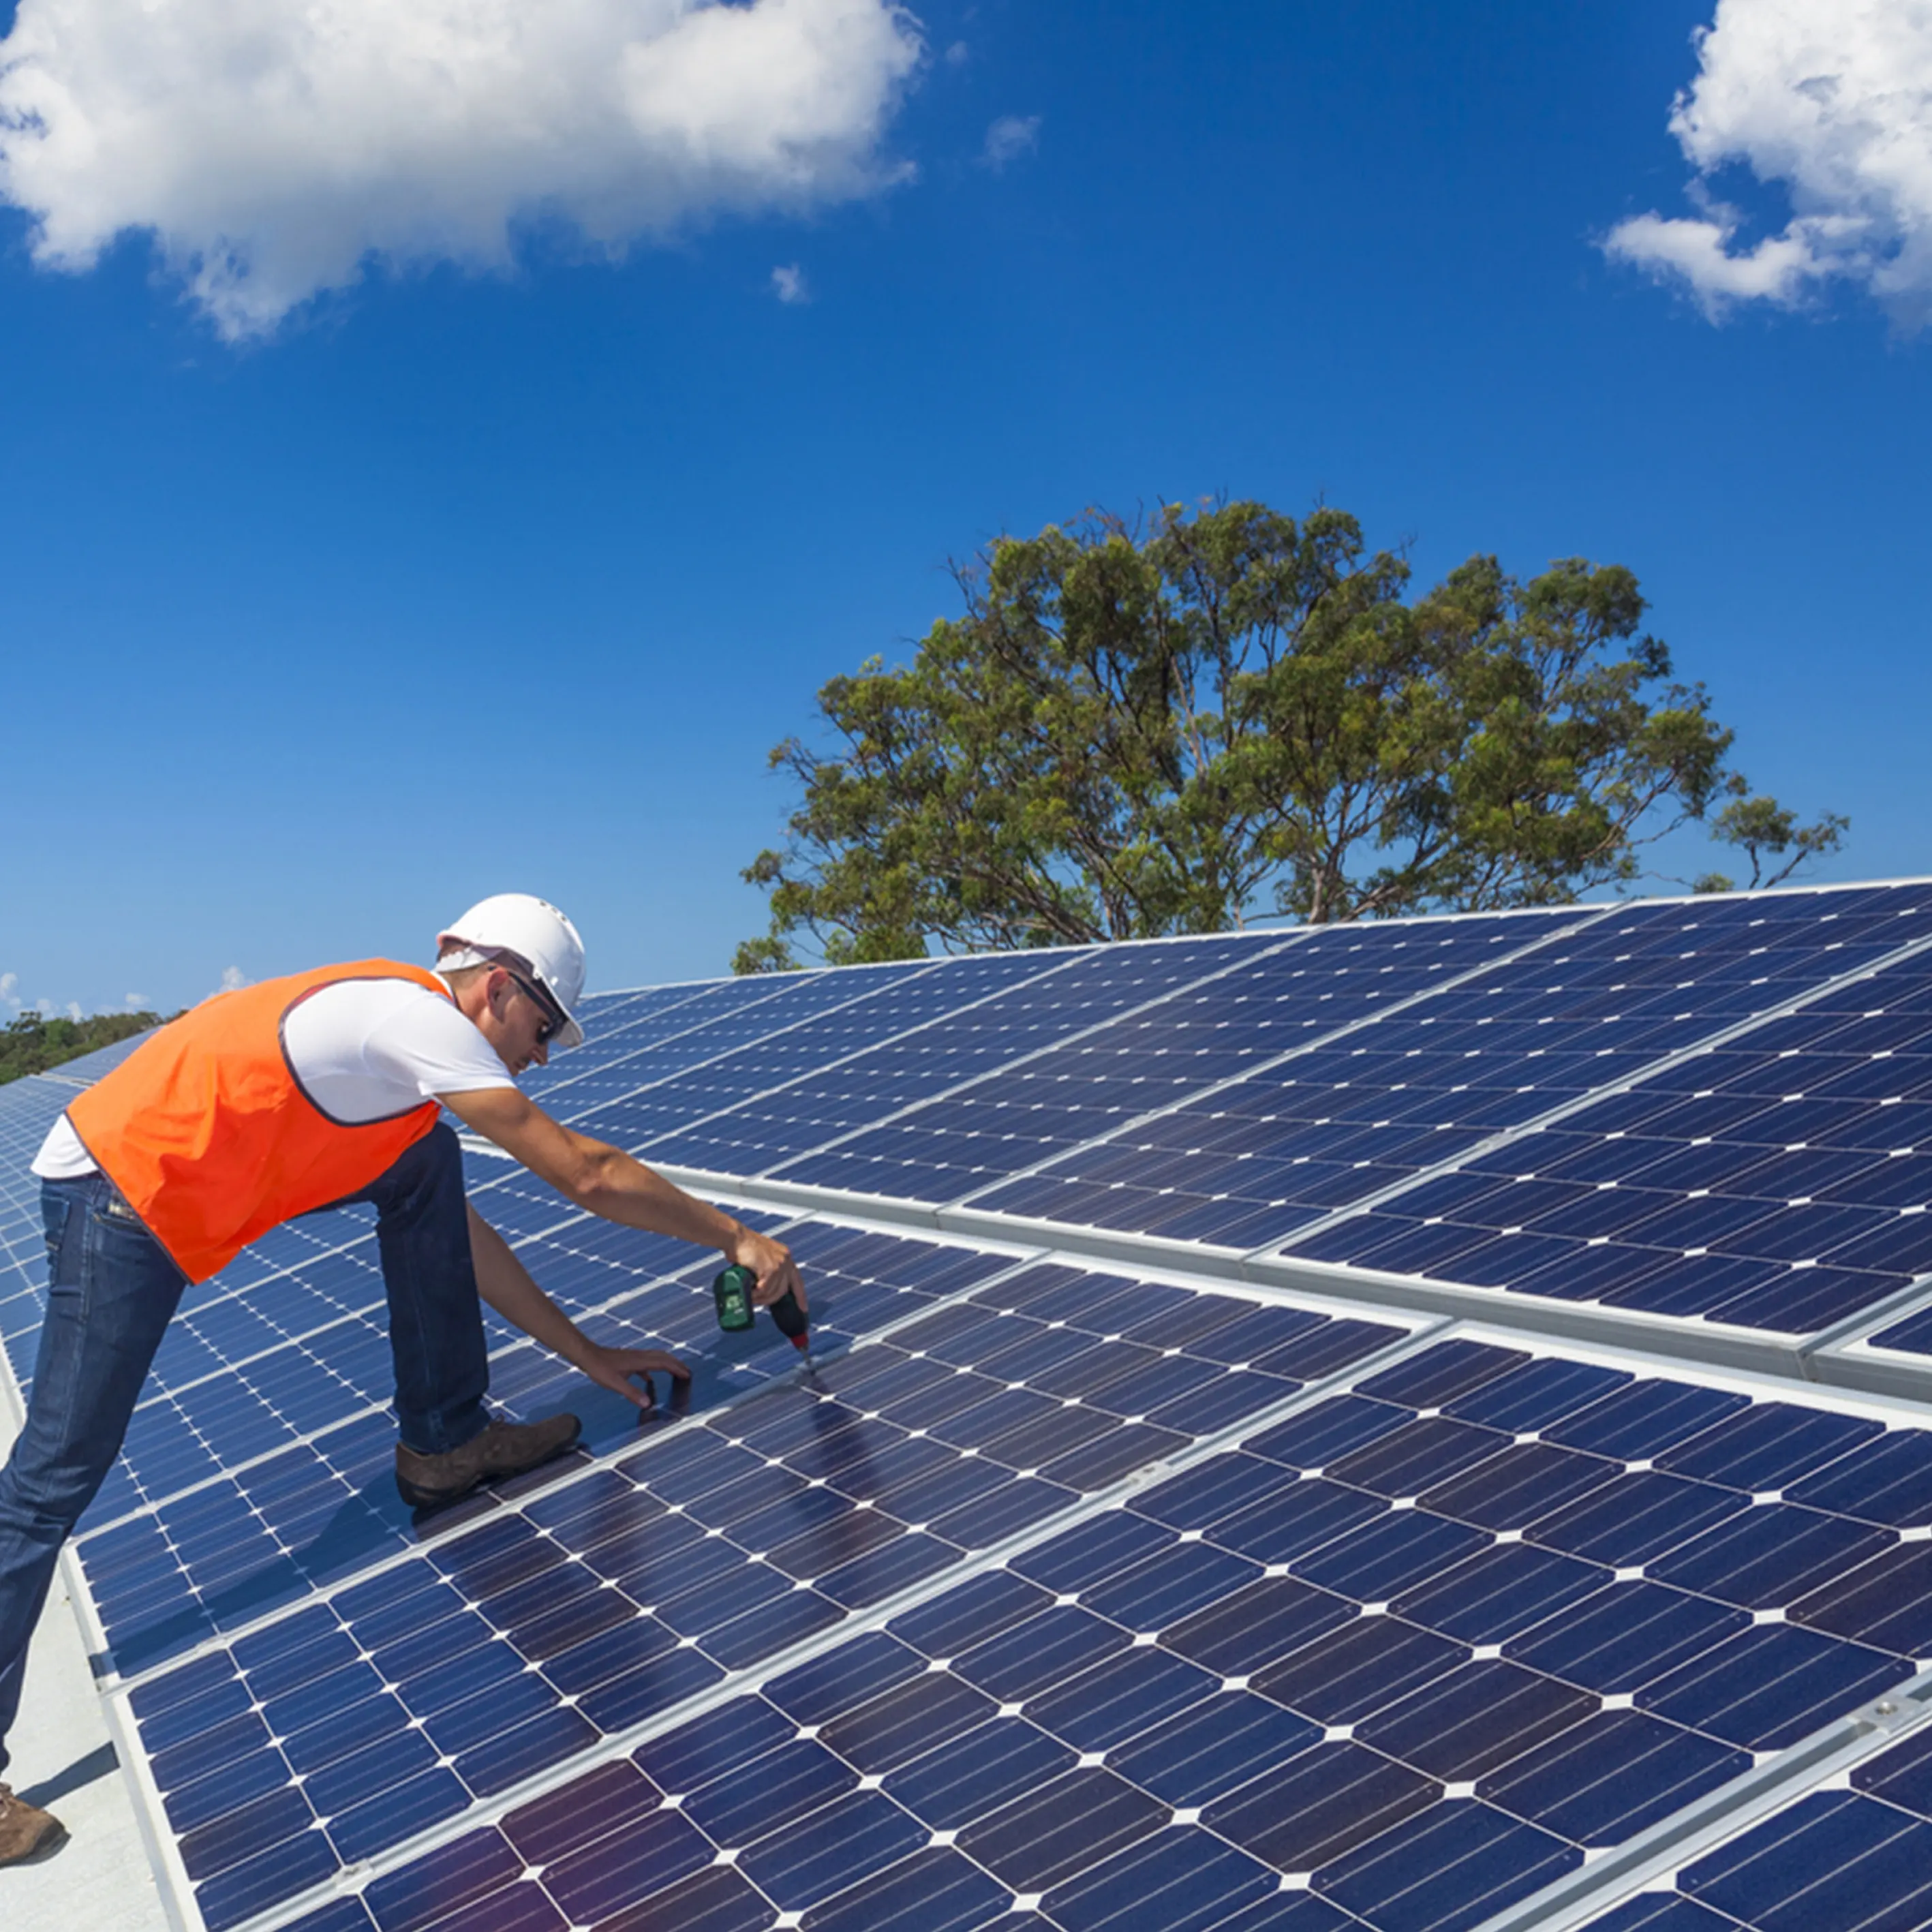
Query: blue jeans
{"x": 112, "y": 1291}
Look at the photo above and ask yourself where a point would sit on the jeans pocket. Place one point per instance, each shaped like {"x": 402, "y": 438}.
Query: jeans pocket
{"x": 55, "y": 1212}
{"x": 113, "y": 1208}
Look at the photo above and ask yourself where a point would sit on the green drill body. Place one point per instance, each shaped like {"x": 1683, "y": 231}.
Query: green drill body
{"x": 732, "y": 1292}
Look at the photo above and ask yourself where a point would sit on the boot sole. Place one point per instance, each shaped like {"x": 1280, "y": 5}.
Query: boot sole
{"x": 429, "y": 1499}
{"x": 420, "y": 1499}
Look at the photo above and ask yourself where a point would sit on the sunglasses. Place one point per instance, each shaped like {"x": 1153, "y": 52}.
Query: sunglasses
{"x": 554, "y": 1020}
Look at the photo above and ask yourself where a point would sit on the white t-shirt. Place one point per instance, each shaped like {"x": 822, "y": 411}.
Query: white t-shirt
{"x": 363, "y": 1050}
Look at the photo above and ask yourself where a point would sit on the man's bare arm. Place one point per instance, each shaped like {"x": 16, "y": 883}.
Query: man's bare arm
{"x": 606, "y": 1181}
{"x": 505, "y": 1283}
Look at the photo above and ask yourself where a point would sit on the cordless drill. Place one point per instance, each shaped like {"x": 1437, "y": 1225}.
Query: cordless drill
{"x": 732, "y": 1291}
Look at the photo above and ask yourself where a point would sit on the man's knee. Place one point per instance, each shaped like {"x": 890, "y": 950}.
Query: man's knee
{"x": 43, "y": 1496}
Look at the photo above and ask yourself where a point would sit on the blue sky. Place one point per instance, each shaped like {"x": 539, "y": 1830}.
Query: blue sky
{"x": 459, "y": 580}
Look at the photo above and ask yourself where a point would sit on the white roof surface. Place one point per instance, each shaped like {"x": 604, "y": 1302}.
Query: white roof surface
{"x": 63, "y": 1758}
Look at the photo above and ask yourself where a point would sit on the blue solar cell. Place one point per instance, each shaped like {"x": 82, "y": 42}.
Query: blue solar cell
{"x": 1765, "y": 1688}
{"x": 1525, "y": 1397}
{"x": 1477, "y": 1716}
{"x": 1520, "y": 1485}
{"x": 1184, "y": 1880}
{"x": 1318, "y": 1436}
{"x": 1416, "y": 1455}
{"x": 390, "y": 1815}
{"x": 1213, "y": 1747}
{"x": 1319, "y": 1806}
{"x": 1441, "y": 1374}
{"x": 1887, "y": 1480}
{"x": 1503, "y": 1590}
{"x": 1625, "y": 1637}
{"x": 1044, "y": 1838}
{"x": 233, "y": 1785}
{"x": 1120, "y": 1696}
{"x": 969, "y": 1777}
{"x": 1912, "y": 1336}
{"x": 1357, "y": 1669}
{"x": 1769, "y": 1555}
{"x": 1878, "y": 1857}
{"x": 935, "y": 1890}
{"x": 1397, "y": 1550}
{"x": 1167, "y": 1587}
{"x": 289, "y": 1866}
{"x": 1611, "y": 1775}
{"x": 1886, "y": 1601}
{"x": 1047, "y": 1648}
{"x": 1770, "y": 1446}
{"x": 1644, "y": 1419}
{"x": 1402, "y": 1882}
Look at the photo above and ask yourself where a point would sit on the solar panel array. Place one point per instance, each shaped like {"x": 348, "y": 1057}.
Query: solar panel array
{"x": 1424, "y": 1425}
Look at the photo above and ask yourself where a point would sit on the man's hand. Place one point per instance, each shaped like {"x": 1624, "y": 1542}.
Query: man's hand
{"x": 612, "y": 1369}
{"x": 771, "y": 1262}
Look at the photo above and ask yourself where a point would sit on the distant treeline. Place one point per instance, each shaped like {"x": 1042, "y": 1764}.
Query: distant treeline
{"x": 33, "y": 1042}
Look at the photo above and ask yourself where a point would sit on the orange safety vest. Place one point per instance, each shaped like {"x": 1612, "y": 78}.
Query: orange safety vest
{"x": 210, "y": 1138}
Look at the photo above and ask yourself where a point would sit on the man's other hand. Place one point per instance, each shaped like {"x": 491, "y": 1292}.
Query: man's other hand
{"x": 612, "y": 1369}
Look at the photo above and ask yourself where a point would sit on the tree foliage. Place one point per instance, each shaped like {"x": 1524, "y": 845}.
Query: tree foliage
{"x": 1135, "y": 731}
{"x": 33, "y": 1043}
{"x": 1769, "y": 836}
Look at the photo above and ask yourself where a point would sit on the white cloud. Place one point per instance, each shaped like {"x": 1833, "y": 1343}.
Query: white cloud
{"x": 135, "y": 1001}
{"x": 10, "y": 987}
{"x": 1010, "y": 136}
{"x": 232, "y": 980}
{"x": 1833, "y": 100}
{"x": 1699, "y": 253}
{"x": 788, "y": 284}
{"x": 273, "y": 150}
{"x": 74, "y": 1012}
{"x": 957, "y": 54}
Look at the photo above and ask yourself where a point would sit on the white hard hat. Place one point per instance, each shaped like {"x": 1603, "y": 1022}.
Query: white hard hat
{"x": 540, "y": 936}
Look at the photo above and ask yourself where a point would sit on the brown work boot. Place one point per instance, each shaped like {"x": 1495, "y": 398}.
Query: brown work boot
{"x": 503, "y": 1449}
{"x": 24, "y": 1830}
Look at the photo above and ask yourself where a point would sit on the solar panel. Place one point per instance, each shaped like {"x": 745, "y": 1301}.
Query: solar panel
{"x": 708, "y": 1027}
{"x": 884, "y": 1005}
{"x": 1363, "y": 1660}
{"x": 1057, "y": 1000}
{"x": 1269, "y": 1461}
{"x": 1594, "y": 1006}
{"x": 1771, "y": 1180}
{"x": 1024, "y": 1115}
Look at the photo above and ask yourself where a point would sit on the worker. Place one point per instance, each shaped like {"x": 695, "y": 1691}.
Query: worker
{"x": 298, "y": 1093}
